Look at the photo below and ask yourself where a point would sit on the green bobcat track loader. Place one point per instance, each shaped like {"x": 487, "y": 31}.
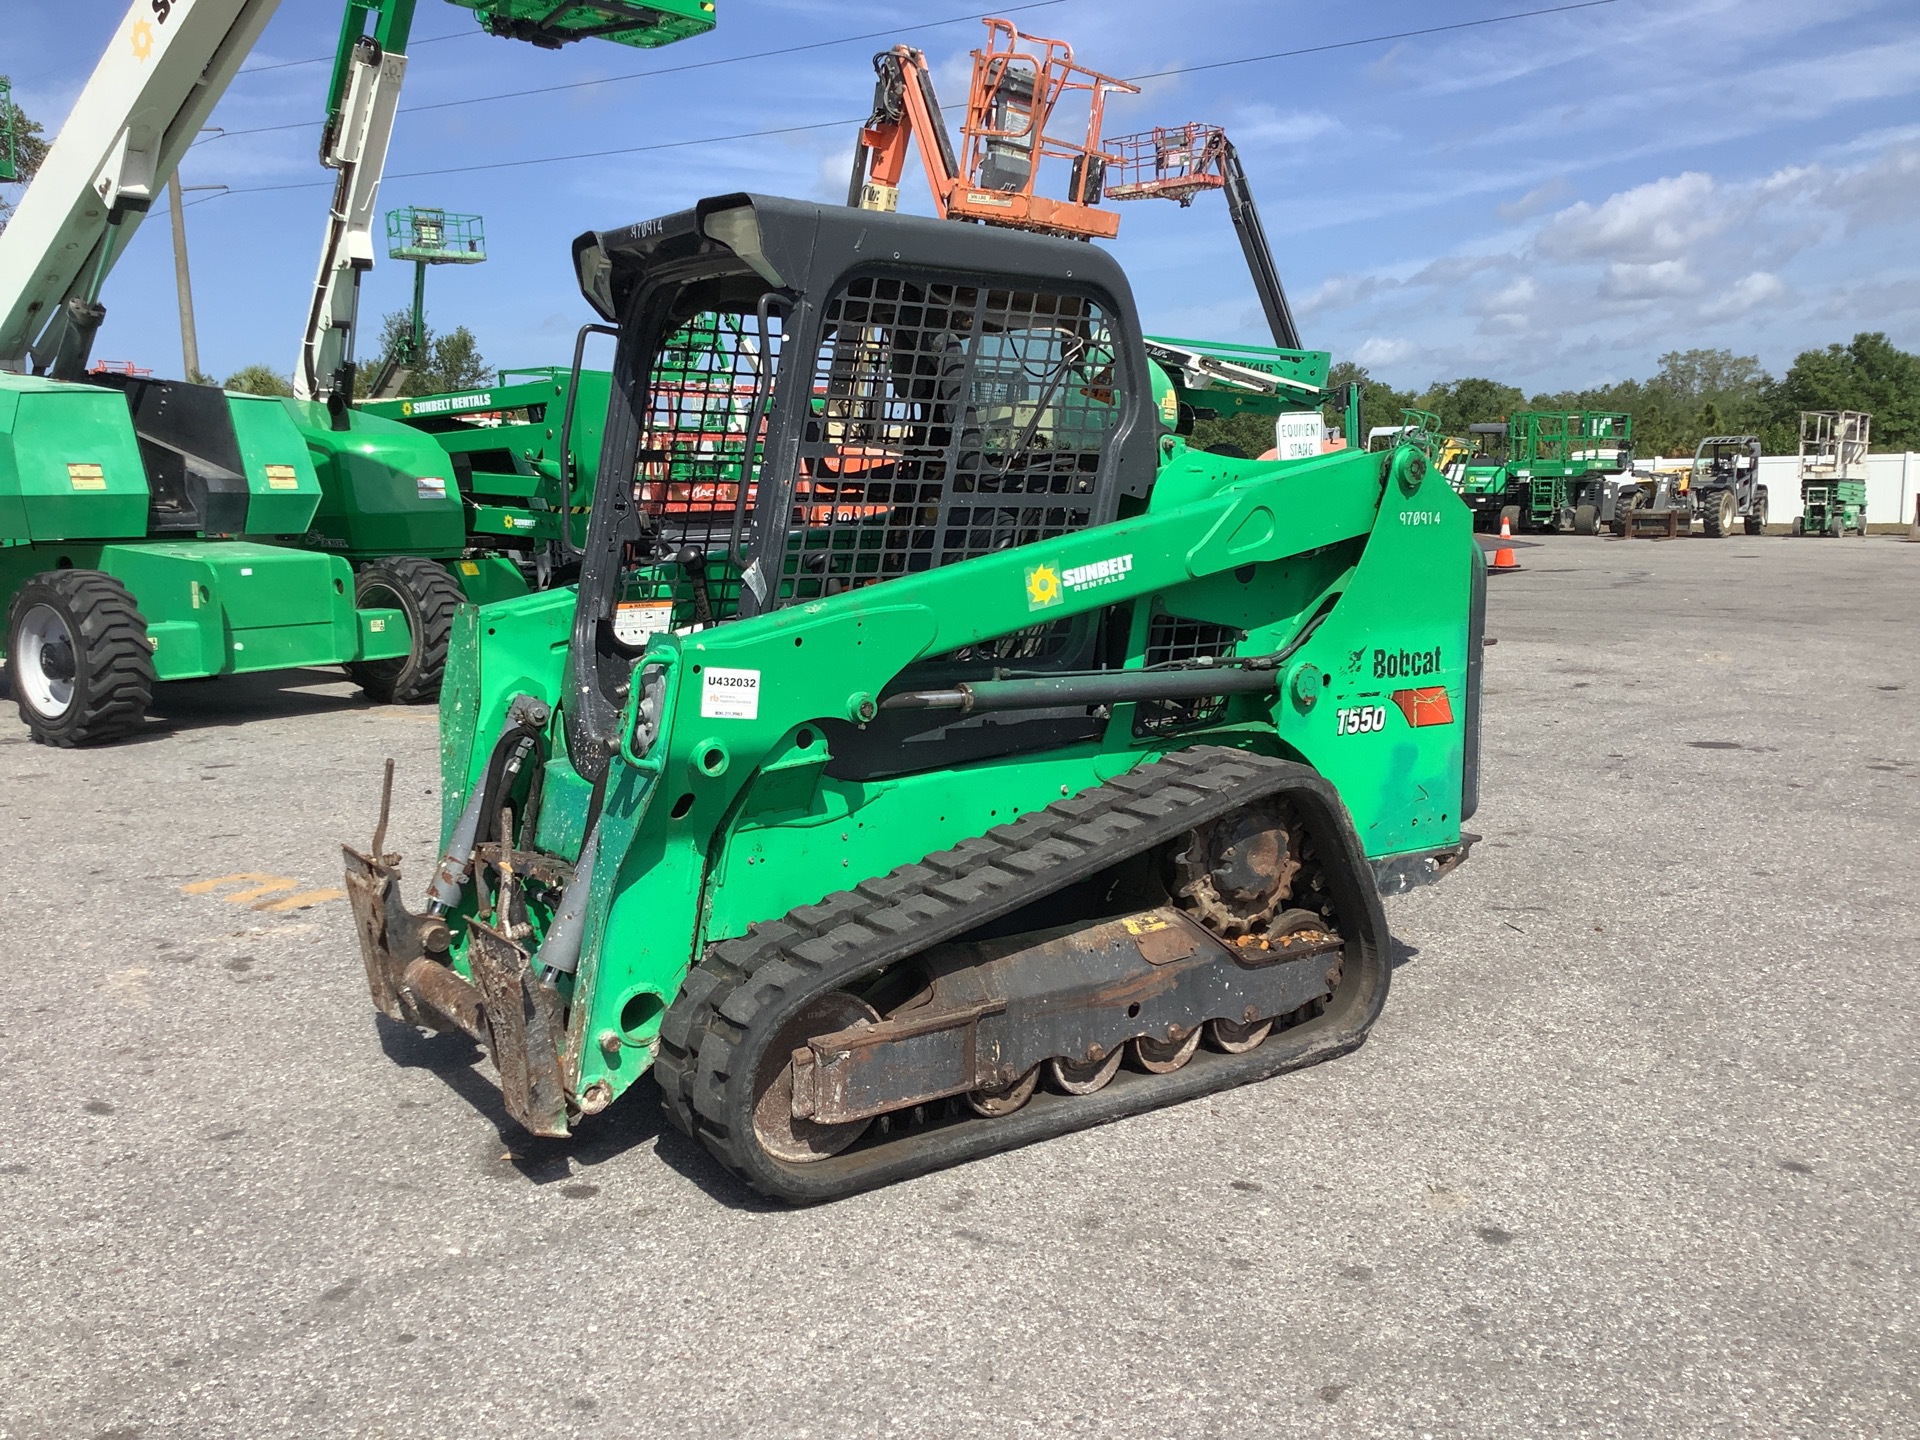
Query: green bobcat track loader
{"x": 946, "y": 756}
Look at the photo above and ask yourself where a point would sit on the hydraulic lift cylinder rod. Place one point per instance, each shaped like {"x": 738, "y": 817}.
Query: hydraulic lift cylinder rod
{"x": 1111, "y": 689}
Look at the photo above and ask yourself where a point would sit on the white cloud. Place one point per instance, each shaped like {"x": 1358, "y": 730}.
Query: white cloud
{"x": 1682, "y": 259}
{"x": 1262, "y": 125}
{"x": 1745, "y": 294}
{"x": 1518, "y": 294}
{"x": 1342, "y": 292}
{"x": 1381, "y": 350}
{"x": 1662, "y": 280}
{"x": 1660, "y": 220}
{"x": 1536, "y": 199}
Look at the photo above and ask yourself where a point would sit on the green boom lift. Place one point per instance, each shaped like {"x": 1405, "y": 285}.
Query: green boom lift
{"x": 156, "y": 530}
{"x": 426, "y": 237}
{"x": 936, "y": 734}
{"x": 504, "y": 538}
{"x": 145, "y": 525}
{"x": 518, "y": 450}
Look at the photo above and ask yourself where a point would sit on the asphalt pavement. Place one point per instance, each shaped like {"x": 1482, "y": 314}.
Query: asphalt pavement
{"x": 1631, "y": 1152}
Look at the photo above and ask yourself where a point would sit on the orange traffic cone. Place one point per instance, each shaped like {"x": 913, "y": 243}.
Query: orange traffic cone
{"x": 1503, "y": 558}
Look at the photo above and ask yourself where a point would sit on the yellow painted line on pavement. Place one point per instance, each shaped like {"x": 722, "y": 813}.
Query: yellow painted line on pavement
{"x": 263, "y": 892}
{"x": 207, "y": 887}
{"x": 301, "y": 901}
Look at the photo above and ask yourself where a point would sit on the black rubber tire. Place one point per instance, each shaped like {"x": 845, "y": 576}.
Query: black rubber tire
{"x": 1756, "y": 520}
{"x": 112, "y": 658}
{"x": 1836, "y": 527}
{"x": 1510, "y": 515}
{"x": 1586, "y": 520}
{"x": 428, "y": 596}
{"x": 1799, "y": 526}
{"x": 1718, "y": 516}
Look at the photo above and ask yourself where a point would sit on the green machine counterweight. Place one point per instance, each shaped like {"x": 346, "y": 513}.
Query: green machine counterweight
{"x": 935, "y": 753}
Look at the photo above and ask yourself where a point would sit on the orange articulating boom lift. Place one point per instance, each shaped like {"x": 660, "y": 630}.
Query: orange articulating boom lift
{"x": 1018, "y": 83}
{"x": 1178, "y": 162}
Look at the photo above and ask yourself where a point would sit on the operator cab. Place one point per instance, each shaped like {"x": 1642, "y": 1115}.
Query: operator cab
{"x": 809, "y": 400}
{"x": 1490, "y": 443}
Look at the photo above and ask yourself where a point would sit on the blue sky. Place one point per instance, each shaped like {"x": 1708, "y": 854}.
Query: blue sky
{"x": 1553, "y": 200}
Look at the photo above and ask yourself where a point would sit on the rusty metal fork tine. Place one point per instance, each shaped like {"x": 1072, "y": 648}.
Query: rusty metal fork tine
{"x": 386, "y": 804}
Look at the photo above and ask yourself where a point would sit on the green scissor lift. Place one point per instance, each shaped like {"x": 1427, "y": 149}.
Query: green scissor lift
{"x": 1833, "y": 472}
{"x": 1561, "y": 462}
{"x": 1546, "y": 469}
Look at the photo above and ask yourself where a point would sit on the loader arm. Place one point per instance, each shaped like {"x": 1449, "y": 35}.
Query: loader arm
{"x": 163, "y": 71}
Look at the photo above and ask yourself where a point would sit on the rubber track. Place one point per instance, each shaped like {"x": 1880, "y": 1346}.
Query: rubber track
{"x": 118, "y": 681}
{"x": 436, "y": 595}
{"x": 741, "y": 993}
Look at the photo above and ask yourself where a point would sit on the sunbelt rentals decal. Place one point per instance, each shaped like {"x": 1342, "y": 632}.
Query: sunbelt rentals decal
{"x": 1048, "y": 584}
{"x": 445, "y": 404}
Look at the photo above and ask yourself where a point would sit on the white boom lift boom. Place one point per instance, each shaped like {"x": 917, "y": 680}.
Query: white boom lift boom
{"x": 164, "y": 70}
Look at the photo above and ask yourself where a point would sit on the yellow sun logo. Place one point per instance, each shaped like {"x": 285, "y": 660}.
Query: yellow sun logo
{"x": 142, "y": 39}
{"x": 1043, "y": 587}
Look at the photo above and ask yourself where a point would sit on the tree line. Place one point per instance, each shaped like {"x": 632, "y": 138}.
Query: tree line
{"x": 1695, "y": 393}
{"x": 453, "y": 362}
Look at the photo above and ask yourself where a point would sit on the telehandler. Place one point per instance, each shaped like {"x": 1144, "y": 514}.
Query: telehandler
{"x": 949, "y": 756}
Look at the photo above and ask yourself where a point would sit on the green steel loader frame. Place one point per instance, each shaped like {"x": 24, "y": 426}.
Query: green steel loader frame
{"x": 950, "y": 665}
{"x": 1547, "y": 469}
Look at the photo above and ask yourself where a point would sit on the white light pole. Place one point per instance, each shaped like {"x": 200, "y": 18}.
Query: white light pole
{"x": 189, "y": 339}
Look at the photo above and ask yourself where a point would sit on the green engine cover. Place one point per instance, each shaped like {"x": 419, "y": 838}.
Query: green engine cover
{"x": 283, "y": 487}
{"x": 70, "y": 466}
{"x": 503, "y": 445}
{"x": 385, "y": 489}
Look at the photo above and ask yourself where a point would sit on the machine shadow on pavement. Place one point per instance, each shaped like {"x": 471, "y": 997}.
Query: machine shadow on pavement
{"x": 229, "y": 700}
{"x": 456, "y": 1061}
{"x": 225, "y": 701}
